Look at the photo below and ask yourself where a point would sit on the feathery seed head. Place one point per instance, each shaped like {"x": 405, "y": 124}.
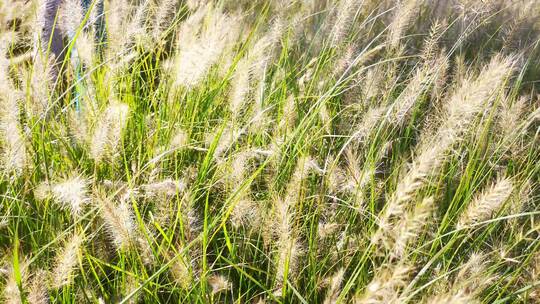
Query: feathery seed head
{"x": 386, "y": 284}
{"x": 345, "y": 12}
{"x": 289, "y": 252}
{"x": 37, "y": 289}
{"x": 12, "y": 294}
{"x": 219, "y": 283}
{"x": 70, "y": 17}
{"x": 108, "y": 132}
{"x": 119, "y": 221}
{"x": 70, "y": 194}
{"x": 180, "y": 270}
{"x": 245, "y": 213}
{"x": 404, "y": 12}
{"x": 240, "y": 87}
{"x": 179, "y": 140}
{"x": 199, "y": 48}
{"x": 11, "y": 132}
{"x": 485, "y": 204}
{"x": 411, "y": 225}
{"x": 167, "y": 187}
{"x": 334, "y": 287}
{"x": 66, "y": 261}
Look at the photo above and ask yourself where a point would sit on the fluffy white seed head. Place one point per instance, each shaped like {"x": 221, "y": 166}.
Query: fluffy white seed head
{"x": 411, "y": 226}
{"x": 219, "y": 283}
{"x": 119, "y": 222}
{"x": 240, "y": 87}
{"x": 108, "y": 131}
{"x": 167, "y": 188}
{"x": 487, "y": 203}
{"x": 66, "y": 262}
{"x": 37, "y": 289}
{"x": 181, "y": 272}
{"x": 463, "y": 107}
{"x": 14, "y": 154}
{"x": 345, "y": 11}
{"x": 403, "y": 14}
{"x": 11, "y": 293}
{"x": 385, "y": 285}
{"x": 200, "y": 48}
{"x": 70, "y": 194}
{"x": 70, "y": 17}
{"x": 334, "y": 287}
{"x": 289, "y": 252}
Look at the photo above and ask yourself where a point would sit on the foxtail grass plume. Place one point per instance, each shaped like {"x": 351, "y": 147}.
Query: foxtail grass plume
{"x": 403, "y": 13}
{"x": 471, "y": 279}
{"x": 200, "y": 48}
{"x": 288, "y": 246}
{"x": 431, "y": 43}
{"x": 119, "y": 222}
{"x": 42, "y": 78}
{"x": 358, "y": 176}
{"x": 180, "y": 270}
{"x": 372, "y": 82}
{"x": 462, "y": 108}
{"x": 66, "y": 262}
{"x": 511, "y": 115}
{"x": 14, "y": 157}
{"x": 227, "y": 137}
{"x": 240, "y": 87}
{"x": 219, "y": 283}
{"x": 411, "y": 226}
{"x": 117, "y": 15}
{"x": 12, "y": 293}
{"x": 70, "y": 17}
{"x": 37, "y": 290}
{"x": 369, "y": 122}
{"x": 282, "y": 213}
{"x": 386, "y": 285}
{"x": 179, "y": 140}
{"x": 304, "y": 166}
{"x": 326, "y": 230}
{"x": 473, "y": 96}
{"x": 487, "y": 203}
{"x": 345, "y": 11}
{"x": 406, "y": 101}
{"x": 288, "y": 116}
{"x": 456, "y": 297}
{"x": 70, "y": 194}
{"x": 165, "y": 10}
{"x": 288, "y": 255}
{"x": 334, "y": 287}
{"x": 108, "y": 131}
{"x": 245, "y": 212}
{"x": 130, "y": 287}
{"x": 167, "y": 188}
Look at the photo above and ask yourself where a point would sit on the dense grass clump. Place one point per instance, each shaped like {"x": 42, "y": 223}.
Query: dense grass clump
{"x": 312, "y": 151}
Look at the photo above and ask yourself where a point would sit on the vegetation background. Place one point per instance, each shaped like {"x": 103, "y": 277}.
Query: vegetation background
{"x": 270, "y": 152}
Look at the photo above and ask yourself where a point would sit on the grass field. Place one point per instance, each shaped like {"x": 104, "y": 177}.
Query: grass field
{"x": 271, "y": 152}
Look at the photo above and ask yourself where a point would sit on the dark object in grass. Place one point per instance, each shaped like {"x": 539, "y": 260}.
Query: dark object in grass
{"x": 51, "y": 37}
{"x": 55, "y": 42}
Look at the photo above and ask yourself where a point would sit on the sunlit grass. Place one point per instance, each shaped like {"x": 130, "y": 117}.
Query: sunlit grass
{"x": 270, "y": 152}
